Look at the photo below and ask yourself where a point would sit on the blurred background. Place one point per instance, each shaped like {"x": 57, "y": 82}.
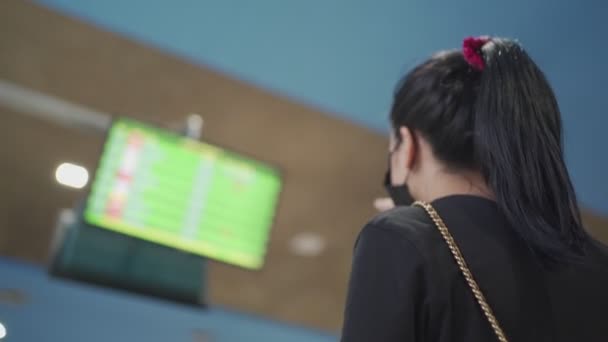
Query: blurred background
{"x": 290, "y": 100}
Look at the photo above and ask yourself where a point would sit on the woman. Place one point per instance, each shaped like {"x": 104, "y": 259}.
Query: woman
{"x": 477, "y": 139}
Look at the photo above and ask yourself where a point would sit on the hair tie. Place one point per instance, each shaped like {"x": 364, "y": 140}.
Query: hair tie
{"x": 471, "y": 49}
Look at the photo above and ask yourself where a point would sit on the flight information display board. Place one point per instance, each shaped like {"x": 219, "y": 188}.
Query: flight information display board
{"x": 192, "y": 196}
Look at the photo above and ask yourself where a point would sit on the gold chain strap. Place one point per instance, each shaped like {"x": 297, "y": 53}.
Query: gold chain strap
{"x": 481, "y": 299}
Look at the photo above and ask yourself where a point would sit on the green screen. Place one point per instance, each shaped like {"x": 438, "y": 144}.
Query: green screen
{"x": 181, "y": 193}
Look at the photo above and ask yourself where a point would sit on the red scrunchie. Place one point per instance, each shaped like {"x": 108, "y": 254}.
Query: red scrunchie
{"x": 471, "y": 49}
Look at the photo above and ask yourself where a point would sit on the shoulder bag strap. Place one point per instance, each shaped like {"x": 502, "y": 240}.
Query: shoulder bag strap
{"x": 466, "y": 272}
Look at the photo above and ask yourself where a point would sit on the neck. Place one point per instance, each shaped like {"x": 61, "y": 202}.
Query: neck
{"x": 444, "y": 183}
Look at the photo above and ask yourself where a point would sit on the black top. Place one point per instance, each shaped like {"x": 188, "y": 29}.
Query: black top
{"x": 405, "y": 285}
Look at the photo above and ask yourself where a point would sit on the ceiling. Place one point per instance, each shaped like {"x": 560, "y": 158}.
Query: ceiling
{"x": 345, "y": 56}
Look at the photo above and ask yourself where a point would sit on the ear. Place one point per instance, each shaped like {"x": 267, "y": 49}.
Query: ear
{"x": 408, "y": 145}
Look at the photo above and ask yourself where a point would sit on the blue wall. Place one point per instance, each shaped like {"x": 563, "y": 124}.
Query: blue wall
{"x": 344, "y": 56}
{"x": 64, "y": 311}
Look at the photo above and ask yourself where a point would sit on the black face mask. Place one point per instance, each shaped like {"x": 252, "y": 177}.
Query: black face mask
{"x": 400, "y": 194}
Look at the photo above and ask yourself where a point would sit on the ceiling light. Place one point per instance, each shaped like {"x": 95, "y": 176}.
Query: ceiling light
{"x": 72, "y": 175}
{"x": 307, "y": 244}
{"x": 2, "y": 331}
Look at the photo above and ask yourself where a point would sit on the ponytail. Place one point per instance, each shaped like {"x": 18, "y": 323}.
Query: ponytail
{"x": 518, "y": 147}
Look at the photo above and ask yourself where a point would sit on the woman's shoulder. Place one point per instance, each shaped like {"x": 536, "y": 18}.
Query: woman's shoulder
{"x": 408, "y": 223}
{"x": 406, "y": 220}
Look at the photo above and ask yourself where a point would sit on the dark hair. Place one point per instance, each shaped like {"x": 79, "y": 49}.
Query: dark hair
{"x": 503, "y": 121}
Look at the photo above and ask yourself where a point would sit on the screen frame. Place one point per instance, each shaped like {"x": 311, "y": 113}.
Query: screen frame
{"x": 198, "y": 299}
{"x": 156, "y": 126}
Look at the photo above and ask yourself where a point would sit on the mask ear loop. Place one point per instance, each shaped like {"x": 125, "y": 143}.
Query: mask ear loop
{"x": 399, "y": 193}
{"x": 387, "y": 179}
